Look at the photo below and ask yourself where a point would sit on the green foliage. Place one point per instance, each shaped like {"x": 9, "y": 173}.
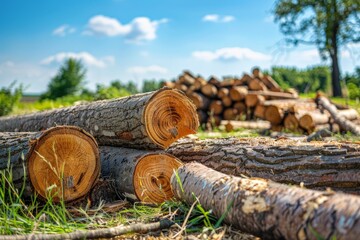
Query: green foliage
{"x": 9, "y": 98}
{"x": 68, "y": 81}
{"x": 103, "y": 92}
{"x": 129, "y": 87}
{"x": 151, "y": 85}
{"x": 307, "y": 80}
{"x": 353, "y": 84}
{"x": 326, "y": 24}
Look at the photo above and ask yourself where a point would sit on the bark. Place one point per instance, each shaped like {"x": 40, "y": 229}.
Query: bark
{"x": 317, "y": 165}
{"x": 270, "y": 83}
{"x": 232, "y": 125}
{"x": 151, "y": 120}
{"x": 267, "y": 209}
{"x": 350, "y": 114}
{"x": 66, "y": 157}
{"x": 199, "y": 82}
{"x": 344, "y": 124}
{"x": 335, "y": 74}
{"x": 238, "y": 93}
{"x": 187, "y": 78}
{"x": 137, "y": 174}
{"x": 240, "y": 106}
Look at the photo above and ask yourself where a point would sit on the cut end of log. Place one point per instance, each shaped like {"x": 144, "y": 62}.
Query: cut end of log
{"x": 152, "y": 177}
{"x": 169, "y": 115}
{"x": 64, "y": 163}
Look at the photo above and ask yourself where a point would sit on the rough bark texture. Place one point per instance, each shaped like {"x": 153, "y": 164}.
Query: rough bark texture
{"x": 137, "y": 174}
{"x": 64, "y": 156}
{"x": 344, "y": 124}
{"x": 267, "y": 209}
{"x": 150, "y": 120}
{"x": 318, "y": 165}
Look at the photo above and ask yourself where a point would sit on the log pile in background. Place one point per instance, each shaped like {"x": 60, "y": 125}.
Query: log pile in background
{"x": 254, "y": 97}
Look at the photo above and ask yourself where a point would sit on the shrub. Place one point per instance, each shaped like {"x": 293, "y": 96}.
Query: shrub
{"x": 9, "y": 98}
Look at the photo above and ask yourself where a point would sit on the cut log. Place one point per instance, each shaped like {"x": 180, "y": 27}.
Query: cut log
{"x": 267, "y": 209}
{"x": 233, "y": 125}
{"x": 318, "y": 165}
{"x": 216, "y": 107}
{"x": 259, "y": 111}
{"x": 137, "y": 174}
{"x": 350, "y": 114}
{"x": 181, "y": 87}
{"x": 63, "y": 159}
{"x": 187, "y": 78}
{"x": 151, "y": 120}
{"x": 292, "y": 123}
{"x": 227, "y": 102}
{"x": 199, "y": 82}
{"x": 238, "y": 93}
{"x": 214, "y": 81}
{"x": 230, "y": 114}
{"x": 246, "y": 78}
{"x": 257, "y": 73}
{"x": 251, "y": 100}
{"x": 274, "y": 114}
{"x": 256, "y": 85}
{"x": 199, "y": 100}
{"x": 240, "y": 107}
{"x": 344, "y": 124}
{"x": 274, "y": 95}
{"x": 209, "y": 90}
{"x": 169, "y": 84}
{"x": 270, "y": 83}
{"x": 223, "y": 92}
{"x": 310, "y": 120}
{"x": 202, "y": 115}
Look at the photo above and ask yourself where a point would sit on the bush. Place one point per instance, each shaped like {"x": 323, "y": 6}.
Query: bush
{"x": 354, "y": 91}
{"x": 9, "y": 98}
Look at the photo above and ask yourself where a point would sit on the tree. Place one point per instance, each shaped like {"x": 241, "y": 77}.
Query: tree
{"x": 130, "y": 86}
{"x": 68, "y": 81}
{"x": 9, "y": 98}
{"x": 328, "y": 24}
{"x": 150, "y": 85}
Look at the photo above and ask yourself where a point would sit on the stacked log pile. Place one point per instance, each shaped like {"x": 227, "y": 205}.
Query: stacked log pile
{"x": 140, "y": 157}
{"x": 253, "y": 97}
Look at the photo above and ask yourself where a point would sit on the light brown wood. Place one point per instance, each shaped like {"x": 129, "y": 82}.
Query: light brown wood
{"x": 209, "y": 90}
{"x": 257, "y": 73}
{"x": 199, "y": 100}
{"x": 268, "y": 209}
{"x": 150, "y": 120}
{"x": 274, "y": 114}
{"x": 350, "y": 114}
{"x": 233, "y": 125}
{"x": 199, "y": 82}
{"x": 310, "y": 120}
{"x": 270, "y": 83}
{"x": 256, "y": 85}
{"x": 216, "y": 107}
{"x": 291, "y": 123}
{"x": 139, "y": 175}
{"x": 231, "y": 114}
{"x": 238, "y": 93}
{"x": 227, "y": 102}
{"x": 61, "y": 163}
{"x": 223, "y": 92}
{"x": 274, "y": 95}
{"x": 251, "y": 100}
{"x": 259, "y": 111}
{"x": 240, "y": 107}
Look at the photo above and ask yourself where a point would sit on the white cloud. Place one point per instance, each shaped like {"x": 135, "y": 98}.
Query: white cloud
{"x": 147, "y": 70}
{"x": 228, "y": 54}
{"x": 85, "y": 57}
{"x": 63, "y": 30}
{"x": 217, "y": 18}
{"x": 139, "y": 29}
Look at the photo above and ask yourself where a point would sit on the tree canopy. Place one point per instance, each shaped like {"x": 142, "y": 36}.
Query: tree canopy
{"x": 328, "y": 24}
{"x": 68, "y": 81}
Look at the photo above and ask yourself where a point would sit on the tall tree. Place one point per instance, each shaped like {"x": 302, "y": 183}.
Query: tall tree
{"x": 328, "y": 24}
{"x": 68, "y": 81}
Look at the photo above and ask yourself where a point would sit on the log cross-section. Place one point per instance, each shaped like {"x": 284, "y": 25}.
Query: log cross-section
{"x": 62, "y": 162}
{"x": 149, "y": 121}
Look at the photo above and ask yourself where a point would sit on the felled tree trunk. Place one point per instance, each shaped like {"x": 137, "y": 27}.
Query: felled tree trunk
{"x": 150, "y": 120}
{"x": 344, "y": 124}
{"x": 66, "y": 157}
{"x": 137, "y": 174}
{"x": 318, "y": 165}
{"x": 267, "y": 209}
{"x": 232, "y": 125}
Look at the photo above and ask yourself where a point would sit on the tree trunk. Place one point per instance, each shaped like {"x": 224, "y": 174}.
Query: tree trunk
{"x": 291, "y": 123}
{"x": 216, "y": 107}
{"x": 335, "y": 70}
{"x": 238, "y": 93}
{"x": 274, "y": 95}
{"x": 66, "y": 157}
{"x": 150, "y": 120}
{"x": 318, "y": 166}
{"x": 199, "y": 100}
{"x": 137, "y": 174}
{"x": 310, "y": 120}
{"x": 344, "y": 124}
{"x": 274, "y": 114}
{"x": 267, "y": 209}
{"x": 209, "y": 90}
{"x": 232, "y": 125}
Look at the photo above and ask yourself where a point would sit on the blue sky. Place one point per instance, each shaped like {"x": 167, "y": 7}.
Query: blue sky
{"x": 134, "y": 40}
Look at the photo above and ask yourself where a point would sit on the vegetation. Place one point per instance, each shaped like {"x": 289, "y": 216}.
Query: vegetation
{"x": 9, "y": 98}
{"x": 68, "y": 81}
{"x": 327, "y": 24}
